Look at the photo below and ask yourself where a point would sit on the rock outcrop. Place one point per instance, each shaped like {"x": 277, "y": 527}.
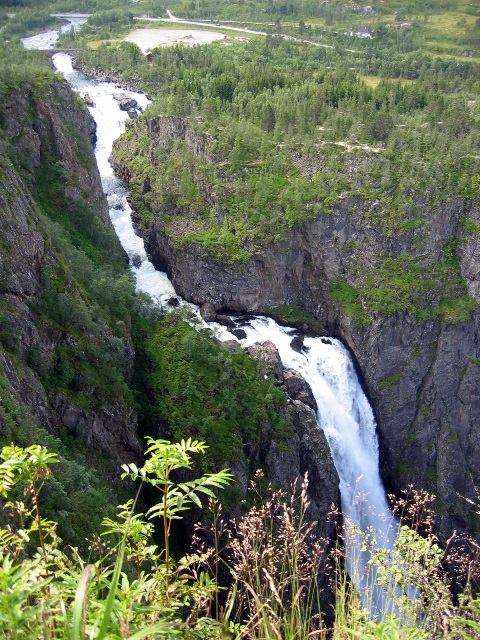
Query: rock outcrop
{"x": 49, "y": 133}
{"x": 421, "y": 373}
{"x": 306, "y": 451}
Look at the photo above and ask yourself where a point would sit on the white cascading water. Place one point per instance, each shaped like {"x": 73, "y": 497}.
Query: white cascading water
{"x": 344, "y": 413}
{"x": 47, "y": 39}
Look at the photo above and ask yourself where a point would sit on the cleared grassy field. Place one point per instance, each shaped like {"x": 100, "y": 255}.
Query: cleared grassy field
{"x": 455, "y": 22}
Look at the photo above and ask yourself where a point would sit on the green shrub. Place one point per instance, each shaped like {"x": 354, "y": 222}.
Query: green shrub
{"x": 348, "y": 299}
{"x": 203, "y": 390}
{"x": 458, "y": 310}
{"x": 131, "y": 588}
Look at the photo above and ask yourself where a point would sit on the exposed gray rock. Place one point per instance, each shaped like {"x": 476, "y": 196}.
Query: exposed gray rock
{"x": 297, "y": 343}
{"x": 166, "y": 130}
{"x": 125, "y": 102}
{"x": 298, "y": 388}
{"x": 225, "y": 321}
{"x": 208, "y": 313}
{"x": 268, "y": 355}
{"x": 239, "y": 333}
{"x": 136, "y": 260}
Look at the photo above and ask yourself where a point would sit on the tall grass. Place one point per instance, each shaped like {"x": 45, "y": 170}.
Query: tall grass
{"x": 269, "y": 559}
{"x": 275, "y": 563}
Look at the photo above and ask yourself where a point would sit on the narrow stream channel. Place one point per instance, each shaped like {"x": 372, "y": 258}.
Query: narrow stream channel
{"x": 344, "y": 412}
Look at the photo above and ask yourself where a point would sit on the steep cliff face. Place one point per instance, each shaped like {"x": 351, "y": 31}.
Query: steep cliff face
{"x": 401, "y": 290}
{"x": 50, "y": 201}
{"x": 53, "y": 328}
{"x": 306, "y": 451}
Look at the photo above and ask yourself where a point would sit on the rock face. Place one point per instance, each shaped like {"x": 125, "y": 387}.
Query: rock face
{"x": 268, "y": 355}
{"x": 207, "y": 311}
{"x": 297, "y": 343}
{"x": 45, "y": 134}
{"x": 298, "y": 389}
{"x": 307, "y": 449}
{"x": 422, "y": 376}
{"x": 125, "y": 102}
{"x": 50, "y": 127}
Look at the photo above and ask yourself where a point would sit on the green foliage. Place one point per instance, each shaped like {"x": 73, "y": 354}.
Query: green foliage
{"x": 203, "y": 390}
{"x": 457, "y": 310}
{"x": 78, "y": 353}
{"x": 387, "y": 383}
{"x": 414, "y": 284}
{"x": 470, "y": 226}
{"x": 164, "y": 459}
{"x": 75, "y": 490}
{"x": 348, "y": 299}
{"x": 31, "y": 465}
{"x": 8, "y": 337}
{"x": 87, "y": 289}
{"x": 273, "y": 559}
{"x": 29, "y": 21}
{"x": 268, "y": 111}
{"x": 294, "y": 315}
{"x": 53, "y": 593}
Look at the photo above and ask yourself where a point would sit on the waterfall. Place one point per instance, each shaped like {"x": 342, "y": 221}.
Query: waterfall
{"x": 344, "y": 413}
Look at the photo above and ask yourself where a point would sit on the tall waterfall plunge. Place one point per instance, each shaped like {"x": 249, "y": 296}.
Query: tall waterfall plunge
{"x": 344, "y": 413}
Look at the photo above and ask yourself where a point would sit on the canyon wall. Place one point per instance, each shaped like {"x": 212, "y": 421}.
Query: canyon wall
{"x": 48, "y": 174}
{"x": 421, "y": 372}
{"x": 60, "y": 345}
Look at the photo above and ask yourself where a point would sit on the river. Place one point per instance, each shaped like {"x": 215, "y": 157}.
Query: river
{"x": 47, "y": 39}
{"x": 344, "y": 412}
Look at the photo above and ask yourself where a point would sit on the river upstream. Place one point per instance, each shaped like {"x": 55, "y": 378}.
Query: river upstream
{"x": 344, "y": 413}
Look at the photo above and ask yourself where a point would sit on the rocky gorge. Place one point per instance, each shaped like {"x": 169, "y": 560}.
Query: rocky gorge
{"x": 419, "y": 364}
{"x": 63, "y": 337}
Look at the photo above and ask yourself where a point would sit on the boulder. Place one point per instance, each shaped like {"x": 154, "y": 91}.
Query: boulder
{"x": 225, "y": 321}
{"x": 208, "y": 313}
{"x": 125, "y": 102}
{"x": 268, "y": 355}
{"x": 297, "y": 343}
{"x": 239, "y": 333}
{"x": 136, "y": 260}
{"x": 298, "y": 388}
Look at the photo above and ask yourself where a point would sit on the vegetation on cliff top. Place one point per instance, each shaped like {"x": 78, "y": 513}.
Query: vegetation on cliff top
{"x": 281, "y": 133}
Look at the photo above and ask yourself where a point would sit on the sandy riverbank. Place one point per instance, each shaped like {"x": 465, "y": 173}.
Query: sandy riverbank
{"x": 148, "y": 39}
